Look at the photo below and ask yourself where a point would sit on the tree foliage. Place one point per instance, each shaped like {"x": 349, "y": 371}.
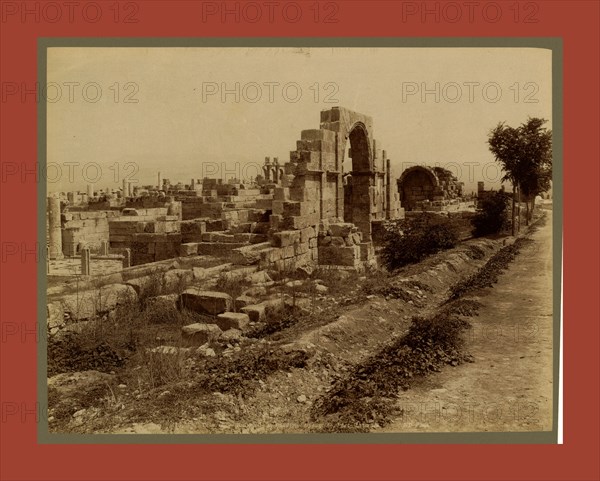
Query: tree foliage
{"x": 492, "y": 216}
{"x": 525, "y": 153}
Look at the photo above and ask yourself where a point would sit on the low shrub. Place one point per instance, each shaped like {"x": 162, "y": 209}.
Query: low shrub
{"x": 492, "y": 215}
{"x": 410, "y": 241}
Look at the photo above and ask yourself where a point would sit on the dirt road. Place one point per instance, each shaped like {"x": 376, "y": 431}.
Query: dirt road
{"x": 509, "y": 386}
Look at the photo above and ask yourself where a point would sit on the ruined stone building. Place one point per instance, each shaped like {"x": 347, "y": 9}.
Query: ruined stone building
{"x": 429, "y": 188}
{"x": 304, "y": 211}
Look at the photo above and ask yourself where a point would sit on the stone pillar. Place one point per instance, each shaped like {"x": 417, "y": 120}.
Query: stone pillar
{"x": 159, "y": 181}
{"x": 125, "y": 188}
{"x": 104, "y": 248}
{"x": 90, "y": 190}
{"x": 276, "y": 178}
{"x": 129, "y": 189}
{"x": 388, "y": 188}
{"x": 193, "y": 185}
{"x": 54, "y": 231}
{"x": 85, "y": 261}
{"x": 126, "y": 258}
{"x": 267, "y": 169}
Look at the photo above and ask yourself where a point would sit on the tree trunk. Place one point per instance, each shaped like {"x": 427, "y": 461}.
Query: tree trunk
{"x": 526, "y": 212}
{"x": 514, "y": 219}
{"x": 532, "y": 206}
{"x": 518, "y": 208}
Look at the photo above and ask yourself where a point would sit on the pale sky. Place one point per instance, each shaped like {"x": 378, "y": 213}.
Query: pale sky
{"x": 175, "y": 129}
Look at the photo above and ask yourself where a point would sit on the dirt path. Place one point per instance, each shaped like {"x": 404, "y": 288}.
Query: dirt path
{"x": 509, "y": 386}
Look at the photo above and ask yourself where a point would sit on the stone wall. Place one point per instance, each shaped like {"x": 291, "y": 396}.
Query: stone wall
{"x": 85, "y": 228}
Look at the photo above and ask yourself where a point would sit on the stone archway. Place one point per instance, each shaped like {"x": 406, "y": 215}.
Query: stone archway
{"x": 416, "y": 184}
{"x": 356, "y": 190}
{"x": 359, "y": 181}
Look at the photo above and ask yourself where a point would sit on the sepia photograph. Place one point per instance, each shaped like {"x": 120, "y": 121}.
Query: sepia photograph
{"x": 300, "y": 239}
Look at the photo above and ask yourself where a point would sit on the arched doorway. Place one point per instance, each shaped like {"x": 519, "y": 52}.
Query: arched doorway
{"x": 358, "y": 181}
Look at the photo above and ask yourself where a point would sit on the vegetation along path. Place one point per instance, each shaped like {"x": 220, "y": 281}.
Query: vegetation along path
{"x": 509, "y": 385}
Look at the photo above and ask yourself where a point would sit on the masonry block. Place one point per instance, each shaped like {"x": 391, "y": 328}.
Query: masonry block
{"x": 199, "y": 333}
{"x": 206, "y": 302}
{"x": 233, "y": 320}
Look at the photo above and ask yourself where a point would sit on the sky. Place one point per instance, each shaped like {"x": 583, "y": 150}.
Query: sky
{"x": 117, "y": 113}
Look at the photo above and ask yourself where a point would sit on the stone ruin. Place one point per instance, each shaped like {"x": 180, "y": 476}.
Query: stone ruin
{"x": 429, "y": 189}
{"x": 305, "y": 211}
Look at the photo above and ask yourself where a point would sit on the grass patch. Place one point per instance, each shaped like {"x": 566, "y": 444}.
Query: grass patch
{"x": 367, "y": 394}
{"x": 488, "y": 275}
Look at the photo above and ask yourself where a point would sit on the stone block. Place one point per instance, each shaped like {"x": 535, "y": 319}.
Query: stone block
{"x": 286, "y": 238}
{"x": 337, "y": 242}
{"x": 342, "y": 229}
{"x": 271, "y": 255}
{"x": 255, "y": 312}
{"x": 233, "y": 320}
{"x": 324, "y": 240}
{"x": 287, "y": 252}
{"x": 206, "y": 302}
{"x": 306, "y": 234}
{"x": 339, "y": 256}
{"x": 318, "y": 134}
{"x": 164, "y": 302}
{"x": 301, "y": 248}
{"x": 188, "y": 249}
{"x": 244, "y": 301}
{"x": 177, "y": 279}
{"x": 199, "y": 333}
{"x": 281, "y": 193}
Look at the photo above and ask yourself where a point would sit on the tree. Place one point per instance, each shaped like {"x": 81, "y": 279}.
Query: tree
{"x": 492, "y": 216}
{"x": 536, "y": 169}
{"x": 525, "y": 154}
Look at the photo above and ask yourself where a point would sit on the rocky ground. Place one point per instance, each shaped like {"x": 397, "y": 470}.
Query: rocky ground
{"x": 508, "y": 387}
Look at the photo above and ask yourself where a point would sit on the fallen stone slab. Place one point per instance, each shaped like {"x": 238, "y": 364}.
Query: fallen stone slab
{"x": 87, "y": 304}
{"x": 199, "y": 333}
{"x": 205, "y": 302}
{"x": 233, "y": 320}
{"x": 177, "y": 279}
{"x": 167, "y": 301}
{"x": 255, "y": 312}
{"x": 244, "y": 301}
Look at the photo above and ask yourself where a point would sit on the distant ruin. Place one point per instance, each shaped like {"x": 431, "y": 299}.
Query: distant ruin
{"x": 429, "y": 188}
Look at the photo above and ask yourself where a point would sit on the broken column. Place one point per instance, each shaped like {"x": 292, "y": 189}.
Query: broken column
{"x": 276, "y": 178}
{"x": 90, "y": 190}
{"x": 85, "y": 261}
{"x": 54, "y": 231}
{"x": 125, "y": 188}
{"x": 159, "y": 181}
{"x": 267, "y": 169}
{"x": 104, "y": 248}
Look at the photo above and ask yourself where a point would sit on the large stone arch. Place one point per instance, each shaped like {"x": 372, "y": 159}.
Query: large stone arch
{"x": 355, "y": 198}
{"x": 416, "y": 184}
